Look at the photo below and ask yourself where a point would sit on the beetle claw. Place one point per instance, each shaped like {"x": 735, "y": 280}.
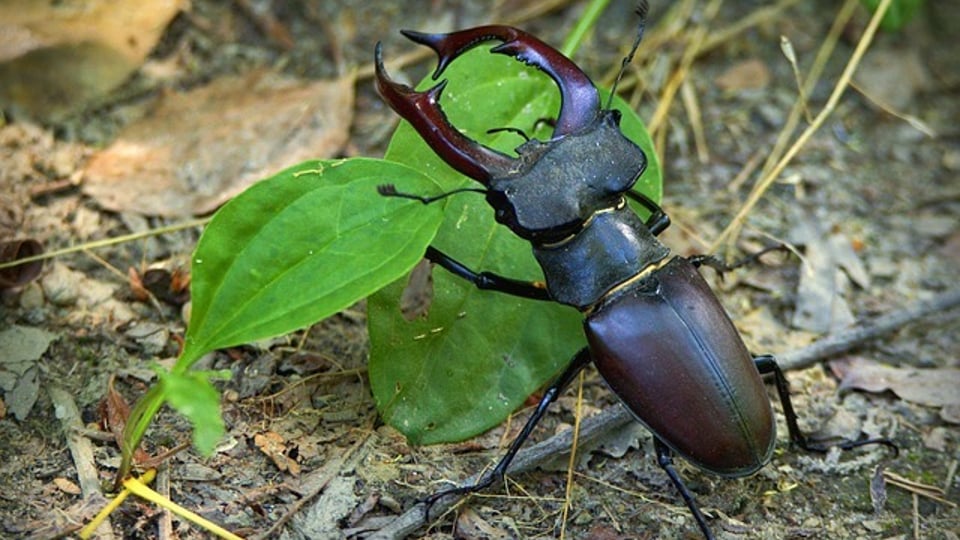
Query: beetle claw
{"x": 579, "y": 99}
{"x": 423, "y": 111}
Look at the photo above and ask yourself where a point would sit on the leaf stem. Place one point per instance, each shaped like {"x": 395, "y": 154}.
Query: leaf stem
{"x": 587, "y": 21}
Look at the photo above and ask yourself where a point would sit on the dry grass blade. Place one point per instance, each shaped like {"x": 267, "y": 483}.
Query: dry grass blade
{"x": 696, "y": 40}
{"x": 769, "y": 177}
{"x": 917, "y": 488}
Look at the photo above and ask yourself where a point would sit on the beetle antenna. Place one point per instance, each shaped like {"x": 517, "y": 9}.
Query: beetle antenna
{"x": 389, "y": 190}
{"x": 514, "y": 130}
{"x": 642, "y": 8}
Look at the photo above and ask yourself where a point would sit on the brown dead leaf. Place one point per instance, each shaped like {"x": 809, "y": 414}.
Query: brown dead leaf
{"x": 200, "y": 148}
{"x": 470, "y": 526}
{"x": 893, "y": 76}
{"x": 418, "y": 294}
{"x": 934, "y": 387}
{"x": 114, "y": 412}
{"x": 749, "y": 74}
{"x": 57, "y": 56}
{"x": 830, "y": 267}
{"x": 139, "y": 291}
{"x": 274, "y": 447}
{"x": 66, "y": 486}
{"x": 17, "y": 276}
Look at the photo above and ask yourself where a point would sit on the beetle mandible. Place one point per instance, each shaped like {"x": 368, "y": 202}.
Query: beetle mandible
{"x": 655, "y": 330}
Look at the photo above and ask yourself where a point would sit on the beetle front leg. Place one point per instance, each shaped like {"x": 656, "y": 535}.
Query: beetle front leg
{"x": 722, "y": 267}
{"x": 580, "y": 360}
{"x": 767, "y": 364}
{"x": 658, "y": 220}
{"x": 665, "y": 460}
{"x": 488, "y": 280}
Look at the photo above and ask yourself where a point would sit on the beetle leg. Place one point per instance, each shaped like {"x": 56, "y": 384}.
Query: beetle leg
{"x": 579, "y": 99}
{"x": 488, "y": 280}
{"x": 767, "y": 364}
{"x": 665, "y": 460}
{"x": 658, "y": 220}
{"x": 721, "y": 266}
{"x": 390, "y": 190}
{"x": 422, "y": 110}
{"x": 580, "y": 360}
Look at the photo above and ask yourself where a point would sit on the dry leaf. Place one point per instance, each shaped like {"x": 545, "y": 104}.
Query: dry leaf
{"x": 200, "y": 148}
{"x": 829, "y": 265}
{"x": 747, "y": 75}
{"x": 17, "y": 276}
{"x": 114, "y": 412}
{"x": 418, "y": 294}
{"x": 66, "y": 486}
{"x": 20, "y": 349}
{"x": 471, "y": 526}
{"x": 274, "y": 447}
{"x": 934, "y": 387}
{"x": 58, "y": 56}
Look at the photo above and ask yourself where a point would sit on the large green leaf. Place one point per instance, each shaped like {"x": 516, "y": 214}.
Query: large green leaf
{"x": 898, "y": 14}
{"x": 301, "y": 246}
{"x": 479, "y": 354}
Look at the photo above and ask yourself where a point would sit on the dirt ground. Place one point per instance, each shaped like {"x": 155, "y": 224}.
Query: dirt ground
{"x": 304, "y": 442}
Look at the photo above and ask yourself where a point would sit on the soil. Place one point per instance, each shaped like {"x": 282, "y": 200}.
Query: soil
{"x": 869, "y": 178}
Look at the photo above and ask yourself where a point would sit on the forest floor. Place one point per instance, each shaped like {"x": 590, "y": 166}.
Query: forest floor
{"x": 872, "y": 198}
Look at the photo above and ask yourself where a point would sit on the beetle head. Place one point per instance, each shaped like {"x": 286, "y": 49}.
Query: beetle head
{"x": 552, "y": 188}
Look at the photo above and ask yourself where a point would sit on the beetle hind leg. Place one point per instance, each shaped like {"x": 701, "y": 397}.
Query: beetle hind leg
{"x": 665, "y": 460}
{"x": 767, "y": 364}
{"x": 496, "y": 474}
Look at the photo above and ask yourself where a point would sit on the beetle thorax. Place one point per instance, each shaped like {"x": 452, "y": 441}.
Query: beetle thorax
{"x": 561, "y": 183}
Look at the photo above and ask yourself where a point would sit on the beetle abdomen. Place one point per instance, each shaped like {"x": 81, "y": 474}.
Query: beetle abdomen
{"x": 669, "y": 351}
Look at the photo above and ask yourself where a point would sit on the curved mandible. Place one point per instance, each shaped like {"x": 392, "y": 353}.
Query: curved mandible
{"x": 579, "y": 99}
{"x": 423, "y": 111}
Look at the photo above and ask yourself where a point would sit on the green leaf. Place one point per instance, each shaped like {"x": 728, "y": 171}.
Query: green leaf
{"x": 287, "y": 252}
{"x": 301, "y": 246}
{"x": 193, "y": 396}
{"x": 898, "y": 14}
{"x": 137, "y": 423}
{"x": 479, "y": 354}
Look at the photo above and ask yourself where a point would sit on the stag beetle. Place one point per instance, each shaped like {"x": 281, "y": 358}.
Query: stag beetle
{"x": 656, "y": 332}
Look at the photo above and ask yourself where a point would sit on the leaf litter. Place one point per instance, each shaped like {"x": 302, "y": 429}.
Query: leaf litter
{"x": 415, "y": 471}
{"x": 197, "y": 149}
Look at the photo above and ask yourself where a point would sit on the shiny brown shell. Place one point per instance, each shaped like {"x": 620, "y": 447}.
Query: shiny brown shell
{"x": 669, "y": 351}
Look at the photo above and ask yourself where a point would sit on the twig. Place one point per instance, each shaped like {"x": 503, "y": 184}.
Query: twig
{"x": 165, "y": 529}
{"x": 819, "y": 64}
{"x": 613, "y": 418}
{"x": 80, "y": 449}
{"x": 787, "y": 47}
{"x": 933, "y": 493}
{"x": 592, "y": 429}
{"x": 854, "y": 337}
